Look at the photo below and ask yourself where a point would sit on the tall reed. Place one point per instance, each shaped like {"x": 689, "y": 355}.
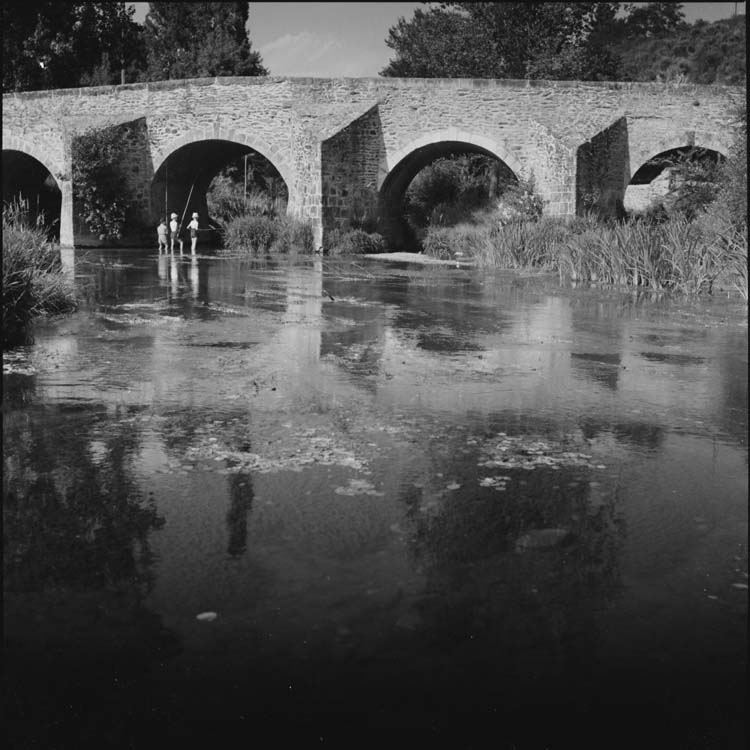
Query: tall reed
{"x": 681, "y": 255}
{"x": 33, "y": 282}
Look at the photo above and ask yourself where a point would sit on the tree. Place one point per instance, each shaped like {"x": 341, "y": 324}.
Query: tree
{"x": 120, "y": 54}
{"x": 199, "y": 40}
{"x": 440, "y": 43}
{"x": 51, "y": 45}
{"x": 506, "y": 40}
{"x": 652, "y": 19}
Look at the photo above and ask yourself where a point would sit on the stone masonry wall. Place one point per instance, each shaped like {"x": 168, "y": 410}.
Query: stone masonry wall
{"x": 326, "y": 135}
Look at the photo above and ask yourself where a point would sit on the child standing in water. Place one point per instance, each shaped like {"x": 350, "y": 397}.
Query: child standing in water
{"x": 174, "y": 229}
{"x": 193, "y": 227}
{"x": 161, "y": 234}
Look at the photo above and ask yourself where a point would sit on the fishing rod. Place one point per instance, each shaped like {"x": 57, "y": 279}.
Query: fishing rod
{"x": 166, "y": 191}
{"x": 179, "y": 229}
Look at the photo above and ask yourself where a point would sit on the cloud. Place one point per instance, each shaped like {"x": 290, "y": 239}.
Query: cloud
{"x": 292, "y": 53}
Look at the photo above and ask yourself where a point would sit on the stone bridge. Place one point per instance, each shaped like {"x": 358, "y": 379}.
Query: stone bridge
{"x": 347, "y": 148}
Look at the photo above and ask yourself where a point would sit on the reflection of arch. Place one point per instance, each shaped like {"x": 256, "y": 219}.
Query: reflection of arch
{"x": 499, "y": 149}
{"x": 276, "y": 157}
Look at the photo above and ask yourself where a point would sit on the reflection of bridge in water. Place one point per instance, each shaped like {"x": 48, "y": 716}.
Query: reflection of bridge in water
{"x": 390, "y": 338}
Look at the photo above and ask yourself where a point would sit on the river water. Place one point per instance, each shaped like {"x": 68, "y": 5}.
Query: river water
{"x": 338, "y": 495}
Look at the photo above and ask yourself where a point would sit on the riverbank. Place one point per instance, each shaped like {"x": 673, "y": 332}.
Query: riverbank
{"x": 421, "y": 258}
{"x": 33, "y": 281}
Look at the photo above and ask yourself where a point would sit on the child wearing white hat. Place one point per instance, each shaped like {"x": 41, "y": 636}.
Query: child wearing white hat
{"x": 193, "y": 227}
{"x": 174, "y": 230}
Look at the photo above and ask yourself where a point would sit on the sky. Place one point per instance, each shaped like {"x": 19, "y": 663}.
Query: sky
{"x": 329, "y": 40}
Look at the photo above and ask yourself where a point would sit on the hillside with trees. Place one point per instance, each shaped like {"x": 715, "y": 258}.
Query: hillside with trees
{"x": 701, "y": 52}
{"x": 566, "y": 41}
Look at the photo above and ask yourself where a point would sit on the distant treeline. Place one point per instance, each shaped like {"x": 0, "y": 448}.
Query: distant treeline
{"x": 566, "y": 41}
{"x": 698, "y": 53}
{"x": 49, "y": 44}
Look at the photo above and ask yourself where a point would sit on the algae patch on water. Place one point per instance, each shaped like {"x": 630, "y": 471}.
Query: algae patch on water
{"x": 288, "y": 452}
{"x": 509, "y": 452}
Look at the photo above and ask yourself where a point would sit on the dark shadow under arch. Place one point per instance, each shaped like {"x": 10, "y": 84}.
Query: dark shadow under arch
{"x": 27, "y": 180}
{"x": 392, "y": 224}
{"x": 182, "y": 181}
{"x": 655, "y": 179}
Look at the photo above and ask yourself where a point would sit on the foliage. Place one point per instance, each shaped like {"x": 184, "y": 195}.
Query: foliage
{"x": 505, "y": 40}
{"x": 199, "y": 40}
{"x": 293, "y": 236}
{"x": 566, "y": 41}
{"x": 33, "y": 283}
{"x": 678, "y": 255}
{"x": 694, "y": 181}
{"x": 520, "y": 202}
{"x": 440, "y": 43}
{"x": 49, "y": 45}
{"x": 701, "y": 182}
{"x": 698, "y": 53}
{"x": 253, "y": 234}
{"x": 99, "y": 182}
{"x": 266, "y": 191}
{"x": 731, "y": 201}
{"x": 356, "y": 242}
{"x": 650, "y": 19}
{"x": 452, "y": 188}
{"x": 249, "y": 232}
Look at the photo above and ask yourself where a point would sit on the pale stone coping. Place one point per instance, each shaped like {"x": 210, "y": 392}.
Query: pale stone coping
{"x": 652, "y": 86}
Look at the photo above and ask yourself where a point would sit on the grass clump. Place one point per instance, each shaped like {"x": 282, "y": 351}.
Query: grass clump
{"x": 252, "y": 234}
{"x": 679, "y": 254}
{"x": 355, "y": 242}
{"x": 33, "y": 281}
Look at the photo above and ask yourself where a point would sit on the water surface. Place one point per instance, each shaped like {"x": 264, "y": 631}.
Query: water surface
{"x": 400, "y": 498}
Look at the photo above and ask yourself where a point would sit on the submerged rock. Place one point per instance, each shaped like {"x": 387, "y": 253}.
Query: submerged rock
{"x": 541, "y": 539}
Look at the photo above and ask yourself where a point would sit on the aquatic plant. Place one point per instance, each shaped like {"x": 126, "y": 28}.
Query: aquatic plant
{"x": 33, "y": 282}
{"x": 252, "y": 234}
{"x": 679, "y": 254}
{"x": 356, "y": 242}
{"x": 293, "y": 236}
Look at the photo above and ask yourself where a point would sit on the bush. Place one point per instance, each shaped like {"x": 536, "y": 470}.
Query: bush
{"x": 448, "y": 191}
{"x": 293, "y": 236}
{"x": 33, "y": 282}
{"x": 519, "y": 202}
{"x": 249, "y": 233}
{"x": 356, "y": 242}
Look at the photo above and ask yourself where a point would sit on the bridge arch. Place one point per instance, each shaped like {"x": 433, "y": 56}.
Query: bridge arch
{"x": 186, "y": 166}
{"x": 643, "y": 149}
{"x": 43, "y": 156}
{"x": 498, "y": 149}
{"x": 400, "y": 167}
{"x": 274, "y": 155}
{"x": 27, "y": 175}
{"x": 649, "y": 179}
